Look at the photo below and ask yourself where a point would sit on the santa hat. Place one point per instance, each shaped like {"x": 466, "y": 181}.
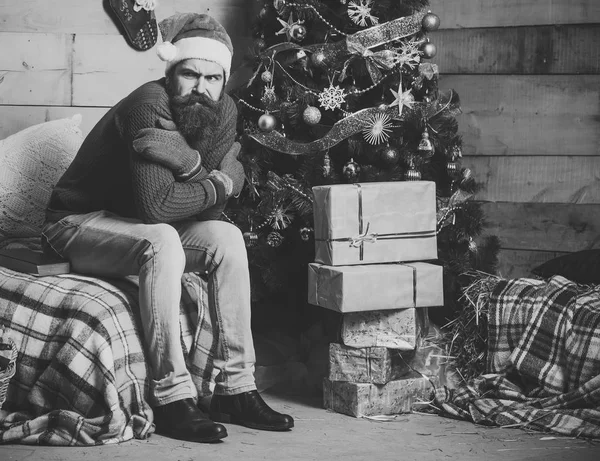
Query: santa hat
{"x": 192, "y": 35}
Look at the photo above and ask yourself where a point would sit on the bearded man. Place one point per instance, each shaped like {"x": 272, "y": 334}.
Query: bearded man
{"x": 143, "y": 196}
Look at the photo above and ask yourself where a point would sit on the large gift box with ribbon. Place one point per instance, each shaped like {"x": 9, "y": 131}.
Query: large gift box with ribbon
{"x": 377, "y": 222}
{"x": 375, "y": 286}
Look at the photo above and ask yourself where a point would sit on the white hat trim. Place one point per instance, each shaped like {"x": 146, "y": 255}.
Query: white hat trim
{"x": 202, "y": 48}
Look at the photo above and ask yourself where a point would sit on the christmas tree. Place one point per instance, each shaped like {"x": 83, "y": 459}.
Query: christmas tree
{"x": 345, "y": 91}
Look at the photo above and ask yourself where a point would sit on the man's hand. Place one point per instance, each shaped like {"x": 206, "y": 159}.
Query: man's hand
{"x": 168, "y": 147}
{"x": 233, "y": 168}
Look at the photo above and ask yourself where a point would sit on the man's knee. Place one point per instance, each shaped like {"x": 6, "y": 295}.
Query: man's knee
{"x": 164, "y": 242}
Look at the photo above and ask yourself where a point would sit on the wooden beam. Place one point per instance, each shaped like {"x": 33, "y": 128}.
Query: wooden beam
{"x": 519, "y": 263}
{"x": 569, "y": 49}
{"x": 16, "y": 118}
{"x": 537, "y": 179}
{"x": 459, "y": 14}
{"x": 528, "y": 114}
{"x": 554, "y": 227}
{"x": 36, "y": 69}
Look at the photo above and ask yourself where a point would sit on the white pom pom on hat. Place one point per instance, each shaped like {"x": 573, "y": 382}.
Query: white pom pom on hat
{"x": 194, "y": 36}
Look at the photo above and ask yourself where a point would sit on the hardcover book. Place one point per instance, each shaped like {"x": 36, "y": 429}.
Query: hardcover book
{"x": 33, "y": 262}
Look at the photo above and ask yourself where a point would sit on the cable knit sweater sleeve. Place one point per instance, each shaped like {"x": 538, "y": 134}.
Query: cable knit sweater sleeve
{"x": 157, "y": 195}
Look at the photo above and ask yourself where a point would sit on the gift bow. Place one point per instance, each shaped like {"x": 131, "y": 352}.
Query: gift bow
{"x": 374, "y": 60}
{"x": 360, "y": 239}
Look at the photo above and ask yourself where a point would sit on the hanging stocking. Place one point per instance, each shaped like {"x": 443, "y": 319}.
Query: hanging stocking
{"x": 136, "y": 18}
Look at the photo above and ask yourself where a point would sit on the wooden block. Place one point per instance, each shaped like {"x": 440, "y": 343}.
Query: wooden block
{"x": 395, "y": 329}
{"x": 363, "y": 399}
{"x": 377, "y": 365}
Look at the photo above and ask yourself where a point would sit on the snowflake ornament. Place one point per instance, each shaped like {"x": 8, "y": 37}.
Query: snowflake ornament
{"x": 332, "y": 98}
{"x": 378, "y": 129}
{"x": 360, "y": 12}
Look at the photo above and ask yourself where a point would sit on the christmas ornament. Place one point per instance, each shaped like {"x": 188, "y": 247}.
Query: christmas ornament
{"x": 455, "y": 153}
{"x": 360, "y": 12}
{"x": 305, "y": 233}
{"x": 318, "y": 58}
{"x": 472, "y": 245}
{"x": 430, "y": 22}
{"x": 429, "y": 50}
{"x": 274, "y": 239}
{"x": 403, "y": 99}
{"x": 452, "y": 168}
{"x": 260, "y": 43}
{"x": 351, "y": 170}
{"x": 298, "y": 32}
{"x": 326, "y": 165}
{"x": 267, "y": 123}
{"x": 311, "y": 115}
{"x": 264, "y": 12}
{"x": 425, "y": 145}
{"x": 389, "y": 155}
{"x": 412, "y": 174}
{"x": 250, "y": 239}
{"x": 332, "y": 98}
{"x": 467, "y": 174}
{"x": 280, "y": 218}
{"x": 288, "y": 26}
{"x": 266, "y": 76}
{"x": 378, "y": 128}
{"x": 269, "y": 98}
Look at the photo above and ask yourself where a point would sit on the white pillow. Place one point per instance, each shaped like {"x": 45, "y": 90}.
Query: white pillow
{"x": 31, "y": 163}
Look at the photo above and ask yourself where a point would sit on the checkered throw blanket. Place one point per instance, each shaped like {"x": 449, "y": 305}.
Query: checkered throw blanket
{"x": 543, "y": 366}
{"x": 81, "y": 376}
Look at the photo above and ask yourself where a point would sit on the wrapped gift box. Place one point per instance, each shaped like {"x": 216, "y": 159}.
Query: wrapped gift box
{"x": 378, "y": 365}
{"x": 396, "y": 329}
{"x": 365, "y": 399}
{"x": 377, "y": 222}
{"x": 375, "y": 286}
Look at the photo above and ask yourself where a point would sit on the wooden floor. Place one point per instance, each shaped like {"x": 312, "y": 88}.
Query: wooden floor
{"x": 323, "y": 435}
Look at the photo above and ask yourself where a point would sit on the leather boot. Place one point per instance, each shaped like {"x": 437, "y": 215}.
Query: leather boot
{"x": 182, "y": 420}
{"x": 250, "y": 410}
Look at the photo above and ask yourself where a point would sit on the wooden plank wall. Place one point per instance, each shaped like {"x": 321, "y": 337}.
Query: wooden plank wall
{"x": 65, "y": 57}
{"x": 527, "y": 72}
{"x": 528, "y": 75}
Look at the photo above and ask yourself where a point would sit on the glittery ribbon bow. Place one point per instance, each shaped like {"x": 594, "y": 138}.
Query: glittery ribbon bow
{"x": 374, "y": 61}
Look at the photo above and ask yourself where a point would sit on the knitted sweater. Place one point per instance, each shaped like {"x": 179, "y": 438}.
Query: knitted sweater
{"x": 107, "y": 174}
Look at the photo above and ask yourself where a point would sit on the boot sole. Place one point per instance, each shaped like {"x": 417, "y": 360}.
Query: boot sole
{"x": 211, "y": 439}
{"x": 231, "y": 419}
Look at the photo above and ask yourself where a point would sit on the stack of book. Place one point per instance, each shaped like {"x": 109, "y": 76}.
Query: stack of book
{"x": 375, "y": 247}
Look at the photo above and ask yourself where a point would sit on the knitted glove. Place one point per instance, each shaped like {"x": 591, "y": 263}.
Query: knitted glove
{"x": 169, "y": 148}
{"x": 222, "y": 183}
{"x": 233, "y": 168}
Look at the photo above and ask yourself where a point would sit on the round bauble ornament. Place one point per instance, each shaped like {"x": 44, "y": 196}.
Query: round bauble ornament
{"x": 260, "y": 43}
{"x": 430, "y": 22}
{"x": 412, "y": 175}
{"x": 274, "y": 239}
{"x": 311, "y": 115}
{"x": 305, "y": 233}
{"x": 389, "y": 155}
{"x": 267, "y": 123}
{"x": 266, "y": 76}
{"x": 429, "y": 50}
{"x": 250, "y": 239}
{"x": 318, "y": 59}
{"x": 351, "y": 170}
{"x": 298, "y": 32}
{"x": 382, "y": 107}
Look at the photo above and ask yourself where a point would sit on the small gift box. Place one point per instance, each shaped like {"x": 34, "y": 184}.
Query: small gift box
{"x": 397, "y": 329}
{"x": 377, "y": 222}
{"x": 366, "y": 399}
{"x": 375, "y": 286}
{"x": 377, "y": 365}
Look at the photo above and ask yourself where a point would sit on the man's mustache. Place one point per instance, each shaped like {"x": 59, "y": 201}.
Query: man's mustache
{"x": 193, "y": 99}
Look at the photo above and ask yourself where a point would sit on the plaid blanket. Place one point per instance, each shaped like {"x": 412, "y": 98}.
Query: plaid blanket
{"x": 543, "y": 366}
{"x": 81, "y": 375}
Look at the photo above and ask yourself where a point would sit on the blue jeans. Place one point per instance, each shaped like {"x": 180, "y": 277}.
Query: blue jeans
{"x": 104, "y": 244}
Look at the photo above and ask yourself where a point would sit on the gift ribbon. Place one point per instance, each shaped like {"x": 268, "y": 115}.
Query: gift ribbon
{"x": 364, "y": 236}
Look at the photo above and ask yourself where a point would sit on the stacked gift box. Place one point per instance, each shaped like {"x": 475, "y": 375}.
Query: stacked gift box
{"x": 374, "y": 247}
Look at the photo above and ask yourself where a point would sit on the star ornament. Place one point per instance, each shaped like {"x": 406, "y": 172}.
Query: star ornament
{"x": 403, "y": 99}
{"x": 287, "y": 26}
{"x": 378, "y": 129}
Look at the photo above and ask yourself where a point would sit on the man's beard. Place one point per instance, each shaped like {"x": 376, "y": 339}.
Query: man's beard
{"x": 196, "y": 115}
